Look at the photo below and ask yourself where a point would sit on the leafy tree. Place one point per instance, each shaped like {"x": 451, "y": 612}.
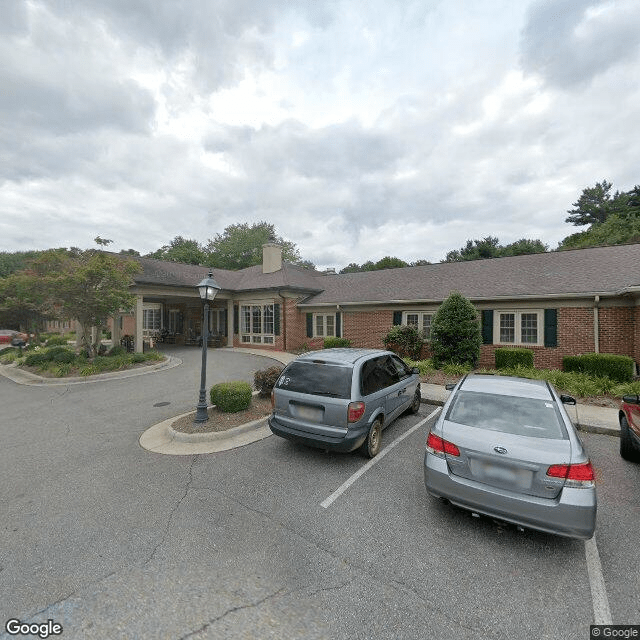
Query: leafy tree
{"x": 490, "y": 247}
{"x": 17, "y": 261}
{"x": 129, "y": 252}
{"x": 181, "y": 250}
{"x": 405, "y": 340}
{"x": 616, "y": 229}
{"x": 103, "y": 242}
{"x": 524, "y": 246}
{"x": 388, "y": 262}
{"x": 455, "y": 332}
{"x": 596, "y": 204}
{"x": 24, "y": 302}
{"x": 240, "y": 246}
{"x": 475, "y": 250}
{"x": 419, "y": 263}
{"x": 87, "y": 285}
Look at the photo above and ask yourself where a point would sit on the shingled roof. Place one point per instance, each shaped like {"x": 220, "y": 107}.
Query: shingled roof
{"x": 585, "y": 272}
{"x": 603, "y": 271}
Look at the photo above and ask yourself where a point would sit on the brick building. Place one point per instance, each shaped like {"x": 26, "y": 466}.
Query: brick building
{"x": 556, "y": 303}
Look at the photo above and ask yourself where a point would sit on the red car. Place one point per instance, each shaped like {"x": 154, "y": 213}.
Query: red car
{"x": 630, "y": 428}
{"x": 9, "y": 336}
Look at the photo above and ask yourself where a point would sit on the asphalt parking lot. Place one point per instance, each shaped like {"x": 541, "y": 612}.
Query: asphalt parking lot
{"x": 275, "y": 540}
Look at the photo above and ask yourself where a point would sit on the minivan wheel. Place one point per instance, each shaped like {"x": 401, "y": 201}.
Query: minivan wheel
{"x": 371, "y": 446}
{"x": 415, "y": 405}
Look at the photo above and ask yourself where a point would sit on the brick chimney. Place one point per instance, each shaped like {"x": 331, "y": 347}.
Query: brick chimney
{"x": 271, "y": 258}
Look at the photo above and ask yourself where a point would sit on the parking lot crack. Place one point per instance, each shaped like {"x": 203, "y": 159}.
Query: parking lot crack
{"x": 251, "y": 605}
{"x": 173, "y": 512}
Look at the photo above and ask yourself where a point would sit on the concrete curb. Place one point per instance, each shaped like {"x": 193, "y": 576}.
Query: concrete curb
{"x": 161, "y": 438}
{"x": 19, "y": 376}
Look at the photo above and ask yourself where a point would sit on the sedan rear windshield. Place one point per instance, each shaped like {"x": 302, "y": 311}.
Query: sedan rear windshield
{"x": 530, "y": 417}
{"x": 317, "y": 379}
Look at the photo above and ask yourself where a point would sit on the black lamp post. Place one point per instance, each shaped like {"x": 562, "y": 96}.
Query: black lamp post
{"x": 207, "y": 289}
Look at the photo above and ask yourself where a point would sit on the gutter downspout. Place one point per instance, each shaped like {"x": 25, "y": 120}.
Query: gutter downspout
{"x": 596, "y": 324}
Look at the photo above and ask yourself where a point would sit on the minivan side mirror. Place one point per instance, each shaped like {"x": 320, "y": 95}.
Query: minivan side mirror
{"x": 631, "y": 399}
{"x": 567, "y": 399}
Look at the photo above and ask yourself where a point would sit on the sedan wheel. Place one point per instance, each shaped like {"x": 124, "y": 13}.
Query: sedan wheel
{"x": 371, "y": 446}
{"x": 627, "y": 448}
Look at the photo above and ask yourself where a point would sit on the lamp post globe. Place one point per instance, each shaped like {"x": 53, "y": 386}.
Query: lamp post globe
{"x": 207, "y": 289}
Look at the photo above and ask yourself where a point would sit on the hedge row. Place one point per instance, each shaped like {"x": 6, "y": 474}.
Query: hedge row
{"x": 617, "y": 368}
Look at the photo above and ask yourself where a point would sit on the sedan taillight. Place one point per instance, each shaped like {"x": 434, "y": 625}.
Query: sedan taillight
{"x": 438, "y": 446}
{"x": 575, "y": 475}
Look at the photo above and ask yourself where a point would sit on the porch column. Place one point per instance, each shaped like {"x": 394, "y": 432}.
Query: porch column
{"x": 230, "y": 323}
{"x": 115, "y": 330}
{"x": 139, "y": 346}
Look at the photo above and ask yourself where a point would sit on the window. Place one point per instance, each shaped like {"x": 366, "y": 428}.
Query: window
{"x": 324, "y": 325}
{"x": 518, "y": 327}
{"x": 151, "y": 318}
{"x": 257, "y": 323}
{"x": 421, "y": 320}
{"x": 218, "y": 321}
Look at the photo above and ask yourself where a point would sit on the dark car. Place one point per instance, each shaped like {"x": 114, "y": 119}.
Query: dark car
{"x": 342, "y": 399}
{"x": 630, "y": 428}
{"x": 505, "y": 447}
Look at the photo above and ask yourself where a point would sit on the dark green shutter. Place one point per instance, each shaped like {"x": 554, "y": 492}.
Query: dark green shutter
{"x": 276, "y": 319}
{"x": 309, "y": 325}
{"x": 338, "y": 325}
{"x": 550, "y": 327}
{"x": 487, "y": 326}
{"x": 236, "y": 318}
{"x": 397, "y": 317}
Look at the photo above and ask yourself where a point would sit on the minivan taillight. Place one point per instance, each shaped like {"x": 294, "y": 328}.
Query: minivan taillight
{"x": 439, "y": 446}
{"x": 355, "y": 411}
{"x": 575, "y": 475}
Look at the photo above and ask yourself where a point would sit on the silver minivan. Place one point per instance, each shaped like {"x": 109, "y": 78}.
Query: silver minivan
{"x": 342, "y": 399}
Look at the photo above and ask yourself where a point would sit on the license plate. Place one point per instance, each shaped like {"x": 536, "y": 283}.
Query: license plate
{"x": 311, "y": 414}
{"x": 521, "y": 478}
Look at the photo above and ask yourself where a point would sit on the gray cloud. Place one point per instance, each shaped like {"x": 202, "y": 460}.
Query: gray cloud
{"x": 570, "y": 42}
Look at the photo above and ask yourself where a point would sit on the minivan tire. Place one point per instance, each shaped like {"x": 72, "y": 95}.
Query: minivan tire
{"x": 415, "y": 404}
{"x": 371, "y": 446}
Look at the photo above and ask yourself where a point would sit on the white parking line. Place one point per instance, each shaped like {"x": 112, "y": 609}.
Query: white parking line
{"x": 601, "y": 612}
{"x": 344, "y": 486}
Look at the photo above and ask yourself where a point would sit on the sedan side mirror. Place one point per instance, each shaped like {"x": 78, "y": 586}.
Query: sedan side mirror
{"x": 450, "y": 387}
{"x": 631, "y": 399}
{"x": 415, "y": 370}
{"x": 567, "y": 399}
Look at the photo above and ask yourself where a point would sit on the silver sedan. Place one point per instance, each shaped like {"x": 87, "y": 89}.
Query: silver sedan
{"x": 505, "y": 447}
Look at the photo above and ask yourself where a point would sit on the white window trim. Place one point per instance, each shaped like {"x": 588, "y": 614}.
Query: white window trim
{"x": 324, "y": 317}
{"x": 518, "y": 327}
{"x": 262, "y": 337}
{"x": 420, "y": 315}
{"x": 146, "y": 331}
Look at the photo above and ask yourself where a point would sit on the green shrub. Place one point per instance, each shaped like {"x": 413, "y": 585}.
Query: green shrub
{"x": 116, "y": 350}
{"x": 231, "y": 397}
{"x": 508, "y": 357}
{"x": 54, "y": 341}
{"x": 138, "y": 357}
{"x": 455, "y": 332}
{"x": 334, "y": 343}
{"x": 454, "y": 369}
{"x": 405, "y": 340}
{"x": 62, "y": 357}
{"x": 618, "y": 368}
{"x": 153, "y": 355}
{"x": 62, "y": 370}
{"x": 265, "y": 379}
{"x": 36, "y": 359}
{"x": 424, "y": 366}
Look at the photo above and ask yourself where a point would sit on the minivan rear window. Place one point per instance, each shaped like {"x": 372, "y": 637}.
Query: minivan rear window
{"x": 317, "y": 379}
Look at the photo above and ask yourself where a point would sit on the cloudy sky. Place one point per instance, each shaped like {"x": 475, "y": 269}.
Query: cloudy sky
{"x": 359, "y": 128}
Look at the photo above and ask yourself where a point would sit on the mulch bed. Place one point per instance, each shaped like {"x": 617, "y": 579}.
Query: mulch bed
{"x": 220, "y": 421}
